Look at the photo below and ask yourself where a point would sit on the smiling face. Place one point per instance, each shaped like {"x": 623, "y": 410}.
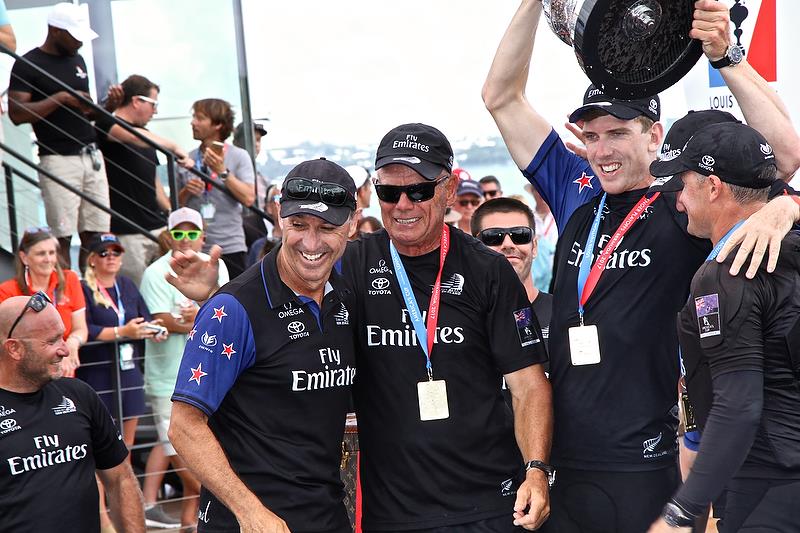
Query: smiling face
{"x": 310, "y": 247}
{"x": 186, "y": 244}
{"x": 520, "y": 256}
{"x": 415, "y": 227}
{"x": 620, "y": 153}
{"x": 41, "y": 258}
{"x": 694, "y": 201}
{"x": 41, "y": 346}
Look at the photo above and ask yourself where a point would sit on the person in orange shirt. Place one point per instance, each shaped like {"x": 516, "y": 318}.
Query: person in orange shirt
{"x": 37, "y": 268}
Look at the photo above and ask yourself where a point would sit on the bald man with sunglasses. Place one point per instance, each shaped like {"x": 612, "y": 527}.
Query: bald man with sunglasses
{"x": 55, "y": 433}
{"x": 440, "y": 319}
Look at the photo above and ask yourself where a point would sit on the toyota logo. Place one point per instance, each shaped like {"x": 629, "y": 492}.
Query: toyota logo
{"x": 708, "y": 161}
{"x": 296, "y": 327}
{"x": 8, "y": 423}
{"x": 380, "y": 284}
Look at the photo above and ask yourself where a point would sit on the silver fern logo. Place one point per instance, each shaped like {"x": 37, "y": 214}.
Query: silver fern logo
{"x": 650, "y": 445}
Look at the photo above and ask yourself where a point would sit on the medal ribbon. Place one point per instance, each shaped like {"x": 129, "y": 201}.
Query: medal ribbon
{"x": 588, "y": 275}
{"x": 118, "y": 307}
{"x": 425, "y": 335}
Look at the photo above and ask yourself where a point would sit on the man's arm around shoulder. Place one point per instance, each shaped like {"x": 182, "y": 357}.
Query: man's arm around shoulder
{"x": 197, "y": 445}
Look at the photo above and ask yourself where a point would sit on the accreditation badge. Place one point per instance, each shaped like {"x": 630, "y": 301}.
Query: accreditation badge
{"x": 687, "y": 413}
{"x": 432, "y": 400}
{"x": 208, "y": 210}
{"x": 126, "y": 357}
{"x": 584, "y": 345}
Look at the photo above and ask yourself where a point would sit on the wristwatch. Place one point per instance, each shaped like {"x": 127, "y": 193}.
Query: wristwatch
{"x": 224, "y": 174}
{"x": 674, "y": 515}
{"x": 733, "y": 56}
{"x": 544, "y": 467}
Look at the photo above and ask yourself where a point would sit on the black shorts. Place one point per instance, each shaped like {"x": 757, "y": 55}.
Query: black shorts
{"x": 585, "y": 501}
{"x": 499, "y": 524}
{"x": 762, "y": 506}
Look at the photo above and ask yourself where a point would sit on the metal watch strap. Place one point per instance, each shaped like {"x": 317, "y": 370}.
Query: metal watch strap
{"x": 675, "y": 516}
{"x": 549, "y": 471}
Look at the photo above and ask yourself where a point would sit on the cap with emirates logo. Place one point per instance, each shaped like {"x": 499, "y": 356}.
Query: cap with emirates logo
{"x": 420, "y": 147}
{"x": 596, "y": 99}
{"x": 734, "y": 152}
{"x": 683, "y": 129}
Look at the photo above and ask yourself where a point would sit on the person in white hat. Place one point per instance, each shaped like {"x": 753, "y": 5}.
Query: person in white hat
{"x": 62, "y": 124}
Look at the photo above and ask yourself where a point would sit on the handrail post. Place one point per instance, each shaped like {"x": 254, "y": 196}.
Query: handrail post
{"x": 116, "y": 385}
{"x": 172, "y": 179}
{"x": 12, "y": 209}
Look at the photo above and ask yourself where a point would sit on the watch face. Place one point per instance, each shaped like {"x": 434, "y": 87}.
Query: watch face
{"x": 735, "y": 54}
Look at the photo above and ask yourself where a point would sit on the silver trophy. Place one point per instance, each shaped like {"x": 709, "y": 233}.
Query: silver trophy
{"x": 629, "y": 48}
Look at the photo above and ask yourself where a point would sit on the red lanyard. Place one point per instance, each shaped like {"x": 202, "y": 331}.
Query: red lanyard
{"x": 600, "y": 265}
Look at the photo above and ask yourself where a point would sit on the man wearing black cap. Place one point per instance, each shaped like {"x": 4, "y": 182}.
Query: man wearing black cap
{"x": 622, "y": 272}
{"x": 739, "y": 338}
{"x": 264, "y": 385}
{"x": 440, "y": 320}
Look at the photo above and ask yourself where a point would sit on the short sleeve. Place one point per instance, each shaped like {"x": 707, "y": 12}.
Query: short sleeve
{"x": 73, "y": 291}
{"x": 564, "y": 180}
{"x": 107, "y": 444}
{"x": 728, "y": 320}
{"x": 157, "y": 293}
{"x": 4, "y": 21}
{"x": 243, "y": 166}
{"x": 514, "y": 333}
{"x": 8, "y": 289}
{"x": 21, "y": 78}
{"x": 219, "y": 348}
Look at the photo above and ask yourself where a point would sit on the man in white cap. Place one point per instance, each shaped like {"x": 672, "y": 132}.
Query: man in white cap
{"x": 62, "y": 125}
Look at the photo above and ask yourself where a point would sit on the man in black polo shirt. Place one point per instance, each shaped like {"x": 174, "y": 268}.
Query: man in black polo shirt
{"x": 264, "y": 384}
{"x": 739, "y": 339}
{"x": 55, "y": 433}
{"x": 62, "y": 125}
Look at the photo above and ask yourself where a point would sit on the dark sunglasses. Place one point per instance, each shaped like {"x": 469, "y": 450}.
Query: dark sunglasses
{"x": 331, "y": 194}
{"x": 37, "y": 302}
{"x": 105, "y": 253}
{"x": 496, "y": 236}
{"x": 191, "y": 234}
{"x": 473, "y": 203}
{"x": 491, "y": 194}
{"x": 418, "y": 192}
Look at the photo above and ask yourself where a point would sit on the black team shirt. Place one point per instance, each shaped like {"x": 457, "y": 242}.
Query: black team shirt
{"x": 273, "y": 372}
{"x": 464, "y": 468}
{"x": 64, "y": 131}
{"x": 51, "y": 441}
{"x": 620, "y": 414}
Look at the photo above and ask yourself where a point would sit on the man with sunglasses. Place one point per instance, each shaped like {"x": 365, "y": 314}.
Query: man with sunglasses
{"x": 622, "y": 272}
{"x": 507, "y": 226}
{"x": 438, "y": 443}
{"x": 265, "y": 382}
{"x": 135, "y": 190}
{"x": 55, "y": 433}
{"x": 491, "y": 187}
{"x": 177, "y": 314}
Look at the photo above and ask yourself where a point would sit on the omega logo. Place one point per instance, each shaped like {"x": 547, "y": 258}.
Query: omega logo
{"x": 380, "y": 284}
{"x": 296, "y": 327}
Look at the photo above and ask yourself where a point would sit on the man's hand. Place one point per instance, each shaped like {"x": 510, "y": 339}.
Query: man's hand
{"x": 577, "y": 131}
{"x": 711, "y": 25}
{"x": 183, "y": 159}
{"x": 114, "y": 97}
{"x": 195, "y": 186}
{"x": 764, "y": 230}
{"x": 195, "y": 278}
{"x": 533, "y": 495}
{"x": 213, "y": 160}
{"x": 659, "y": 526}
{"x": 262, "y": 520}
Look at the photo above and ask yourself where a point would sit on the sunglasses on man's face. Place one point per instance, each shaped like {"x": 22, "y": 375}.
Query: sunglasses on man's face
{"x": 418, "y": 192}
{"x": 465, "y": 202}
{"x": 491, "y": 193}
{"x": 116, "y": 252}
{"x": 496, "y": 236}
{"x": 180, "y": 234}
{"x": 38, "y": 301}
{"x": 331, "y": 194}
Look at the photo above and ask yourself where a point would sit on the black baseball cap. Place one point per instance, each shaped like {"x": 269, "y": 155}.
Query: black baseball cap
{"x": 683, "y": 129}
{"x": 595, "y": 98}
{"x": 101, "y": 241}
{"x": 318, "y": 172}
{"x": 420, "y": 147}
{"x": 734, "y": 152}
